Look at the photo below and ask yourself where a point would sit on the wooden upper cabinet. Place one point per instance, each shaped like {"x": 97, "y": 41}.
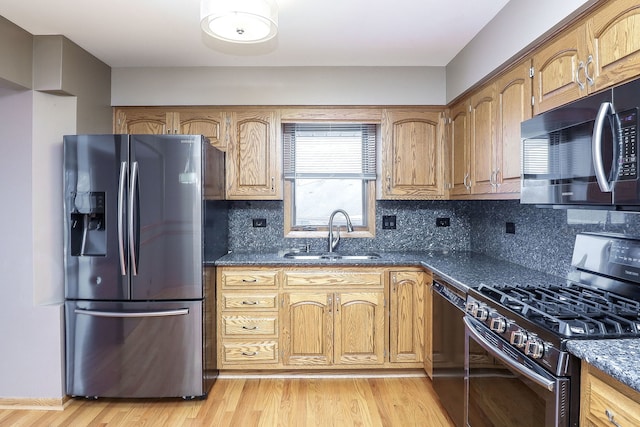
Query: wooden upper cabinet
{"x": 613, "y": 41}
{"x": 483, "y": 136}
{"x": 411, "y": 159}
{"x": 142, "y": 121}
{"x": 254, "y": 156}
{"x": 207, "y": 122}
{"x": 513, "y": 91}
{"x": 459, "y": 154}
{"x": 600, "y": 50}
{"x": 555, "y": 66}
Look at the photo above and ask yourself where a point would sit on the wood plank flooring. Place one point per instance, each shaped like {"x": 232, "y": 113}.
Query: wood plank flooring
{"x": 269, "y": 402}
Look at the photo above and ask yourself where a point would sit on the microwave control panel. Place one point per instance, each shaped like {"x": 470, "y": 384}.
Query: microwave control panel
{"x": 628, "y": 137}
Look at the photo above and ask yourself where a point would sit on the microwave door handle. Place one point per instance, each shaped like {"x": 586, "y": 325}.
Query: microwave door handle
{"x": 596, "y": 147}
{"x": 507, "y": 360}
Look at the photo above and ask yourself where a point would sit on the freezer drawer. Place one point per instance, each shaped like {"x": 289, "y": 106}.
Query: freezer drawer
{"x": 134, "y": 349}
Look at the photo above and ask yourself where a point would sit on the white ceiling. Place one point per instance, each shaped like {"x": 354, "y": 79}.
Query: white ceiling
{"x": 158, "y": 33}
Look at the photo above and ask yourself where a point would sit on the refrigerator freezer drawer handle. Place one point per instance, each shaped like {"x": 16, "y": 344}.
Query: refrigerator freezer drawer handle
{"x": 123, "y": 177}
{"x": 161, "y": 313}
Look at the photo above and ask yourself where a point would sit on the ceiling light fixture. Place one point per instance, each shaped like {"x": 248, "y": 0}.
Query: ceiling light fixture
{"x": 239, "y": 21}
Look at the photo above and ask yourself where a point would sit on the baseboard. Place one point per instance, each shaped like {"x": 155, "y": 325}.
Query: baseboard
{"x": 356, "y": 373}
{"x": 35, "y": 404}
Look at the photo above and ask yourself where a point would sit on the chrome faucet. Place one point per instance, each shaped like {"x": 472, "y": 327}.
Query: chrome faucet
{"x": 333, "y": 243}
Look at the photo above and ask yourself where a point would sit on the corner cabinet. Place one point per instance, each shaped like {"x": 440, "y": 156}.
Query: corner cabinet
{"x": 254, "y": 155}
{"x": 459, "y": 150}
{"x": 411, "y": 155}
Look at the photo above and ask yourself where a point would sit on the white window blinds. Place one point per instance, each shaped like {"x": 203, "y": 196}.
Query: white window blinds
{"x": 329, "y": 150}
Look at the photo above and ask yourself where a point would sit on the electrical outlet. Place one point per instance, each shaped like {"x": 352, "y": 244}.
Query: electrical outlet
{"x": 443, "y": 222}
{"x": 510, "y": 228}
{"x": 259, "y": 222}
{"x": 388, "y": 222}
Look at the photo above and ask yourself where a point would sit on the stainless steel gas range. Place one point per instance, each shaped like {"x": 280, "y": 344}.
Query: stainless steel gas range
{"x": 518, "y": 371}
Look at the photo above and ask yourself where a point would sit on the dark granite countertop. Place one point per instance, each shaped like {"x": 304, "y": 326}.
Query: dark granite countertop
{"x": 460, "y": 268}
{"x": 619, "y": 358}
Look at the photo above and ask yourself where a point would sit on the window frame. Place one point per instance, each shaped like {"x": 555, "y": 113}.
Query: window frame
{"x": 321, "y": 231}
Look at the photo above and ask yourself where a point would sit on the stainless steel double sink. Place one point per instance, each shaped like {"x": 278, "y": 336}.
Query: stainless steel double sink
{"x": 330, "y": 256}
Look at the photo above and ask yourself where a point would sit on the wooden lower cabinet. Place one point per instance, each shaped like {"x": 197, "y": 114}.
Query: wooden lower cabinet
{"x": 320, "y": 317}
{"x": 406, "y": 333}
{"x": 605, "y": 401}
{"x": 327, "y": 328}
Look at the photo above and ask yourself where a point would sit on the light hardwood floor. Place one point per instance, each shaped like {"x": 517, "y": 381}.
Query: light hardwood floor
{"x": 299, "y": 402}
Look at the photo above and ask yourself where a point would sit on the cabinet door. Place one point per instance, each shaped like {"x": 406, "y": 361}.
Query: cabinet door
{"x": 614, "y": 43}
{"x": 513, "y": 91}
{"x": 207, "y": 122}
{"x": 143, "y": 121}
{"x": 411, "y": 155}
{"x": 359, "y": 328}
{"x": 556, "y": 71}
{"x": 254, "y": 159}
{"x": 407, "y": 316}
{"x": 307, "y": 334}
{"x": 483, "y": 137}
{"x": 459, "y": 140}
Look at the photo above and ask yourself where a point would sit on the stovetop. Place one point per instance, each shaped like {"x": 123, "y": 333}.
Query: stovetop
{"x": 571, "y": 311}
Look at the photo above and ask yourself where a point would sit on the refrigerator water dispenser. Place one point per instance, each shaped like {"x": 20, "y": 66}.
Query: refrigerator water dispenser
{"x": 87, "y": 224}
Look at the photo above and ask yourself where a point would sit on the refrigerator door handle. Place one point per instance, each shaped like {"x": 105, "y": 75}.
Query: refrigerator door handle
{"x": 132, "y": 225}
{"x": 161, "y": 313}
{"x": 123, "y": 178}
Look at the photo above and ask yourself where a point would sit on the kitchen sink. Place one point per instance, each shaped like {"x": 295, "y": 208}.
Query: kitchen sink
{"x": 330, "y": 256}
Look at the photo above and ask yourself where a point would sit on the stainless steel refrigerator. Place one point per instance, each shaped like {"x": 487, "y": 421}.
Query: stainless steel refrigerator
{"x": 135, "y": 298}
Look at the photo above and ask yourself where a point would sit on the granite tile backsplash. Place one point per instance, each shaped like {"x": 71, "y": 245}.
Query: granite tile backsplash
{"x": 543, "y": 238}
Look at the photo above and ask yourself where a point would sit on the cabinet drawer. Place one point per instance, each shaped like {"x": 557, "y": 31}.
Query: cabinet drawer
{"x": 249, "y": 301}
{"x": 329, "y": 278}
{"x": 249, "y": 325}
{"x": 249, "y": 278}
{"x": 605, "y": 404}
{"x": 247, "y": 352}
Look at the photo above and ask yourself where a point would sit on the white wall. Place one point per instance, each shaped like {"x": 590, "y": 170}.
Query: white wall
{"x": 279, "y": 86}
{"x": 54, "y": 116}
{"x": 31, "y": 355}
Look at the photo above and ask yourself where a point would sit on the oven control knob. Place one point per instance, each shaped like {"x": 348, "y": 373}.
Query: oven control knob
{"x": 518, "y": 338}
{"x": 471, "y": 307}
{"x": 498, "y": 324}
{"x": 534, "y": 348}
{"x": 481, "y": 313}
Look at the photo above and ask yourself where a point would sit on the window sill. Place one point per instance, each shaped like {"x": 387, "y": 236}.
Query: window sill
{"x": 357, "y": 234}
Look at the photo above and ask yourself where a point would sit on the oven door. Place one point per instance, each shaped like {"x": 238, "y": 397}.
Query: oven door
{"x": 504, "y": 388}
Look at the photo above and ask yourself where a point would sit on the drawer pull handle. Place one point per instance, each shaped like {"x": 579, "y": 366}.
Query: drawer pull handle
{"x": 249, "y": 280}
{"x": 249, "y": 302}
{"x": 250, "y": 328}
{"x": 610, "y": 416}
{"x": 250, "y": 353}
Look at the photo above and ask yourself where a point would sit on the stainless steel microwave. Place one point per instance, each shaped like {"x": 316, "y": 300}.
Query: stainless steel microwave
{"x": 584, "y": 153}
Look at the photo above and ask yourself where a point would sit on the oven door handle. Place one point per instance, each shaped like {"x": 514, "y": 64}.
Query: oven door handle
{"x": 506, "y": 359}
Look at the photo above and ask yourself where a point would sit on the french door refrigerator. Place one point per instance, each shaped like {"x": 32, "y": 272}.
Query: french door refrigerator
{"x": 134, "y": 295}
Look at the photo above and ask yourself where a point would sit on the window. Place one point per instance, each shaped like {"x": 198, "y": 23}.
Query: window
{"x": 329, "y": 166}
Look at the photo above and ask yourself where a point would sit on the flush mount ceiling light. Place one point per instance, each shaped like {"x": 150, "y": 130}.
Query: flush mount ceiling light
{"x": 239, "y": 21}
